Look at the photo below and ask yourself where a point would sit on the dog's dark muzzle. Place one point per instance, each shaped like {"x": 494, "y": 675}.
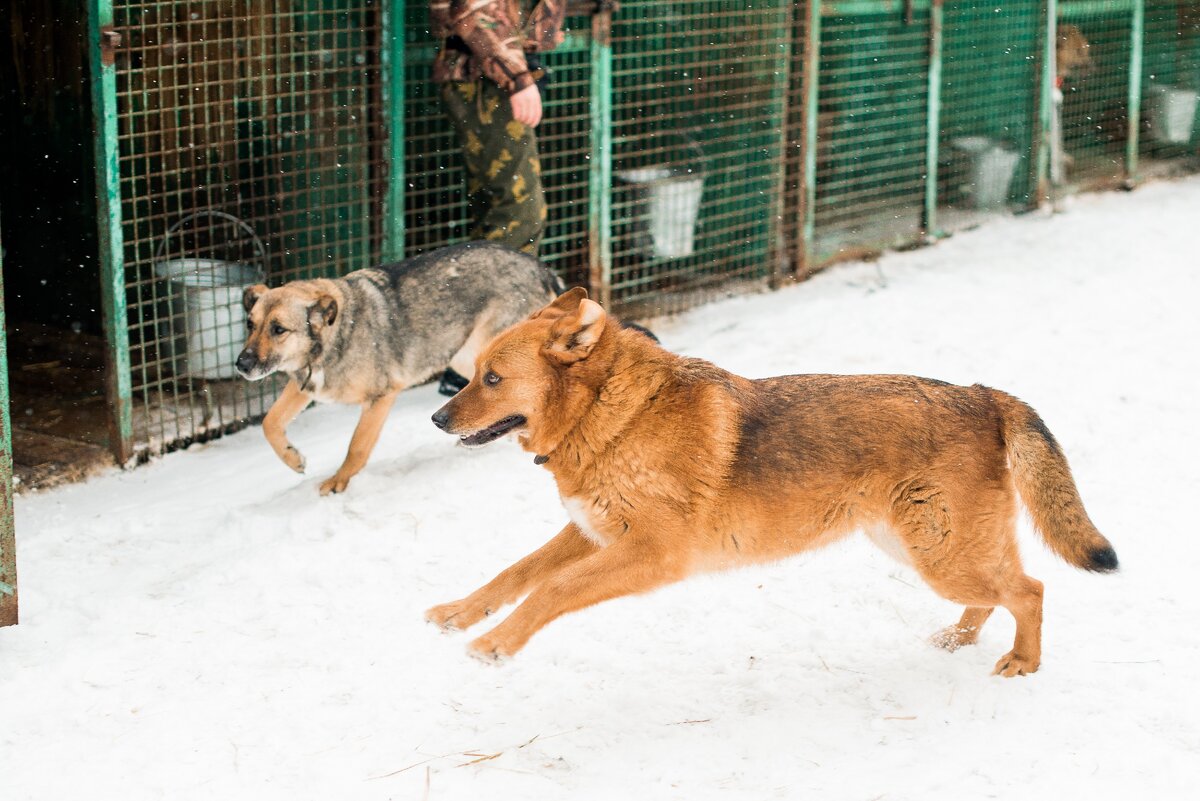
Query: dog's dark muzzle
{"x": 246, "y": 361}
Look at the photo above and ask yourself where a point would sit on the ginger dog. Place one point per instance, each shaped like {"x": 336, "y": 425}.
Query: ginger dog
{"x": 668, "y": 466}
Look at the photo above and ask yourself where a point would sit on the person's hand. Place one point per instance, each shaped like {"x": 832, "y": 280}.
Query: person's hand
{"x": 527, "y": 105}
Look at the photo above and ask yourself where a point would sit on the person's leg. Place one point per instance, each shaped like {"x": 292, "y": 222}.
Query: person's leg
{"x": 504, "y": 181}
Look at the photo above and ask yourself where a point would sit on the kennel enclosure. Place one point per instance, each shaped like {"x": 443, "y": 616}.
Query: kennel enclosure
{"x": 690, "y": 149}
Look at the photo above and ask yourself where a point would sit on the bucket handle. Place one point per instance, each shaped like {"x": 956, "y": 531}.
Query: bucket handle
{"x": 258, "y": 243}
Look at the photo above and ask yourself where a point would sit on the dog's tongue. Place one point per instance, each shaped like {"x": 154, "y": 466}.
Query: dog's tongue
{"x": 494, "y": 431}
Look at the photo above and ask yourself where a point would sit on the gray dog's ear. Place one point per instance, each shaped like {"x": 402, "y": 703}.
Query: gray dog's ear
{"x": 323, "y": 312}
{"x": 252, "y": 294}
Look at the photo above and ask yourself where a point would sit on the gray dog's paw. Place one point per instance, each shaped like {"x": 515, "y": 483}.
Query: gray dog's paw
{"x": 294, "y": 459}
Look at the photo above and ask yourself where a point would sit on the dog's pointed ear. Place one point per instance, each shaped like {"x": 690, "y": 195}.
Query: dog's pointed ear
{"x": 252, "y": 294}
{"x": 573, "y": 336}
{"x": 564, "y": 304}
{"x": 322, "y": 312}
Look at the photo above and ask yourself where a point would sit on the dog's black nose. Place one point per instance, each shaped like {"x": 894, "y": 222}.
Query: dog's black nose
{"x": 246, "y": 361}
{"x": 441, "y": 419}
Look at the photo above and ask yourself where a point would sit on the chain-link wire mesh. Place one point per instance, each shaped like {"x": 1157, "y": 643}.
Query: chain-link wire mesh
{"x": 698, "y": 95}
{"x": 1094, "y": 52}
{"x": 871, "y": 127}
{"x": 253, "y": 146}
{"x": 249, "y": 151}
{"x": 1170, "y": 135}
{"x": 991, "y": 59}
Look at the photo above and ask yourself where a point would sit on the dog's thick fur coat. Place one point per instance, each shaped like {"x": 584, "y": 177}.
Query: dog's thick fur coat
{"x": 670, "y": 465}
{"x": 365, "y": 337}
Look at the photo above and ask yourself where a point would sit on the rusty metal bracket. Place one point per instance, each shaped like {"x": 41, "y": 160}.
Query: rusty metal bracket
{"x": 110, "y": 42}
{"x": 602, "y": 28}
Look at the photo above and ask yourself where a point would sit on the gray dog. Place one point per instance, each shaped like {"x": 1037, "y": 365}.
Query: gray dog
{"x": 363, "y": 338}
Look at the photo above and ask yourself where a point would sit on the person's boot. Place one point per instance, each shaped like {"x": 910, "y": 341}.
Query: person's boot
{"x": 451, "y": 383}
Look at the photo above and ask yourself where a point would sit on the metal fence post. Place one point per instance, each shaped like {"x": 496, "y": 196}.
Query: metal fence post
{"x": 809, "y": 89}
{"x": 8, "y": 549}
{"x": 600, "y": 161}
{"x": 1040, "y": 161}
{"x": 779, "y": 100}
{"x": 103, "y": 40}
{"x": 392, "y": 57}
{"x": 1137, "y": 29}
{"x": 934, "y": 117}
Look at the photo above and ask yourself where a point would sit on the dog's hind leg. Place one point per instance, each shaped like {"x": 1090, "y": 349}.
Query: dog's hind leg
{"x": 567, "y": 547}
{"x": 463, "y": 362}
{"x": 965, "y": 631}
{"x": 1024, "y": 600}
{"x": 366, "y": 434}
{"x": 289, "y": 404}
{"x": 959, "y": 531}
{"x": 632, "y": 564}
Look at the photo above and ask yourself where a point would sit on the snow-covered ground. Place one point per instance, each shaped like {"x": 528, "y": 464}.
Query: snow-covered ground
{"x": 207, "y": 627}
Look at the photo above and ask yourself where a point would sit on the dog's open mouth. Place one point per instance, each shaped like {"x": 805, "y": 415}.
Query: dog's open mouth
{"x": 492, "y": 432}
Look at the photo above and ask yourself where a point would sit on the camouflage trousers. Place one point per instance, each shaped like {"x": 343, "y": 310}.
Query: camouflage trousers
{"x": 504, "y": 175}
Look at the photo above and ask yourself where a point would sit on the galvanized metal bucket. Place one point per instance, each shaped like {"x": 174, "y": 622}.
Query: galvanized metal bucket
{"x": 210, "y": 331}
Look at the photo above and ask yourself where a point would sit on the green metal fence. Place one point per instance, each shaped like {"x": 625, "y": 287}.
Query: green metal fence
{"x": 1171, "y": 84}
{"x": 988, "y": 126}
{"x": 690, "y": 148}
{"x": 8, "y": 545}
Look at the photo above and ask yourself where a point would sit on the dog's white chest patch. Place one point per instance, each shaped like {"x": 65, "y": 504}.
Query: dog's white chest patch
{"x": 581, "y": 515}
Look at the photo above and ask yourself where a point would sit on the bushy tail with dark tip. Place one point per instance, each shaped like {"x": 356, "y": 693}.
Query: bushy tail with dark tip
{"x": 1048, "y": 490}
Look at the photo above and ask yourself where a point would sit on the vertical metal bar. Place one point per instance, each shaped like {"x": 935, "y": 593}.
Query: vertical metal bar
{"x": 1137, "y": 41}
{"x": 933, "y": 119}
{"x": 600, "y": 162}
{"x": 392, "y": 47}
{"x": 108, "y": 216}
{"x": 784, "y": 38}
{"x": 810, "y": 86}
{"x": 1039, "y": 162}
{"x": 1048, "y": 107}
{"x": 8, "y": 547}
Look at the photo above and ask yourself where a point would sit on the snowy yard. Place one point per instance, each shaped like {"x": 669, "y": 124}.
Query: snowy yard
{"x": 207, "y": 627}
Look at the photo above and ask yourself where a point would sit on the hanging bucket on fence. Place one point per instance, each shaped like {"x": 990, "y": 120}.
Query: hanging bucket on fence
{"x": 673, "y": 208}
{"x": 208, "y": 292}
{"x": 1172, "y": 114}
{"x": 992, "y": 170}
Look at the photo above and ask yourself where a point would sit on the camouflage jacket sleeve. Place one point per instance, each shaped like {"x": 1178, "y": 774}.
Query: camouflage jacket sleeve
{"x": 497, "y": 36}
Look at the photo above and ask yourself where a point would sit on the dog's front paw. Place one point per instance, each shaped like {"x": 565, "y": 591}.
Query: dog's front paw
{"x": 455, "y": 616}
{"x": 294, "y": 459}
{"x": 335, "y": 483}
{"x": 490, "y": 650}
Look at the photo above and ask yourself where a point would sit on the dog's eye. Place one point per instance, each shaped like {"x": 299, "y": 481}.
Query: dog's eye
{"x": 277, "y": 330}
{"x": 491, "y": 379}
{"x": 249, "y": 324}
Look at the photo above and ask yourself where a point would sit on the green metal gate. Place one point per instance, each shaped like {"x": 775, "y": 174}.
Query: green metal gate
{"x": 1170, "y": 86}
{"x": 237, "y": 142}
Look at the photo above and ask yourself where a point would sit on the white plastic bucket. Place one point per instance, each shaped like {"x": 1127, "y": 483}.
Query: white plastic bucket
{"x": 211, "y": 293}
{"x": 673, "y": 203}
{"x": 992, "y": 174}
{"x": 992, "y": 169}
{"x": 1172, "y": 114}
